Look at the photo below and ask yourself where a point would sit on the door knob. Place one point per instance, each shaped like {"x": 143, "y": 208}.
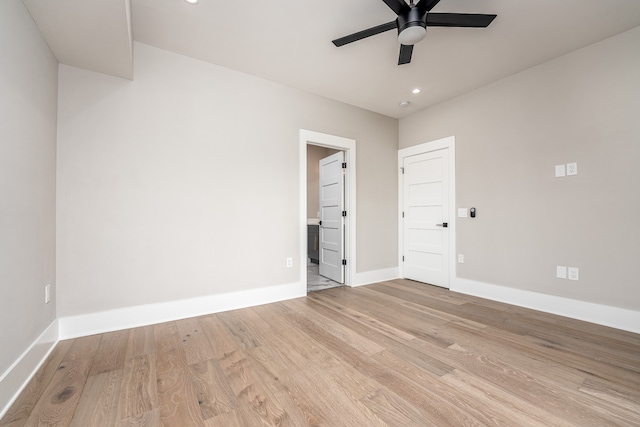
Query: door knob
{"x": 443, "y": 225}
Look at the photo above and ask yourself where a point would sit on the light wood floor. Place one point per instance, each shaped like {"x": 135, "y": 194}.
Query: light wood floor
{"x": 396, "y": 353}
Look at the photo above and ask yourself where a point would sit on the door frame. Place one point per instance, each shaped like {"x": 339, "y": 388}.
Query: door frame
{"x": 347, "y": 145}
{"x": 439, "y": 144}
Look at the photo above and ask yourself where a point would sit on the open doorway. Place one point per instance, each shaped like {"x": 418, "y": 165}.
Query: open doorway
{"x": 319, "y": 146}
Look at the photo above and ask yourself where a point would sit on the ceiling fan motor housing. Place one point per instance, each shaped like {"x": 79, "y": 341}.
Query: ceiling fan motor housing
{"x": 414, "y": 26}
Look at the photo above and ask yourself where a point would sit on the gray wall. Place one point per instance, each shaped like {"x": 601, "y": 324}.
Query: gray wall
{"x": 583, "y": 107}
{"x": 185, "y": 182}
{"x": 28, "y": 88}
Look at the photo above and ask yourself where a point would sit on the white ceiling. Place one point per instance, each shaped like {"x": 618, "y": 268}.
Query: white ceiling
{"x": 290, "y": 41}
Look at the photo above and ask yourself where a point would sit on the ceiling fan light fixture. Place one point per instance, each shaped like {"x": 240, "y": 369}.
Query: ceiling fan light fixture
{"x": 412, "y": 35}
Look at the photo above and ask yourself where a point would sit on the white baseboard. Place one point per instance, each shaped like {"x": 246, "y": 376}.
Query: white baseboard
{"x": 375, "y": 276}
{"x": 16, "y": 378}
{"x": 615, "y": 317}
{"x": 131, "y": 317}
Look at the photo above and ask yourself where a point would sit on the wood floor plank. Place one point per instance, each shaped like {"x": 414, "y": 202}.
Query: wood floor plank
{"x": 98, "y": 405}
{"x": 146, "y": 419}
{"x": 363, "y": 318}
{"x": 496, "y": 368}
{"x": 59, "y": 400}
{"x": 83, "y": 348}
{"x": 302, "y": 352}
{"x": 141, "y": 341}
{"x": 251, "y": 392}
{"x": 110, "y": 353}
{"x": 197, "y": 347}
{"x": 433, "y": 408}
{"x": 613, "y": 392}
{"x": 177, "y": 398}
{"x": 495, "y": 406}
{"x": 221, "y": 340}
{"x": 281, "y": 377}
{"x": 167, "y": 338}
{"x": 215, "y": 396}
{"x": 240, "y": 328}
{"x": 242, "y": 416}
{"x": 393, "y": 410}
{"x": 139, "y": 393}
{"x": 348, "y": 336}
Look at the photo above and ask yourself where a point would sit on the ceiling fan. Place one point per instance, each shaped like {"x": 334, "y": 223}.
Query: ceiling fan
{"x": 412, "y": 22}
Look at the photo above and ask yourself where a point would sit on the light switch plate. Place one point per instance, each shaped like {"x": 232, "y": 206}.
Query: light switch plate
{"x": 462, "y": 212}
{"x": 561, "y": 272}
{"x": 559, "y": 171}
{"x": 572, "y": 169}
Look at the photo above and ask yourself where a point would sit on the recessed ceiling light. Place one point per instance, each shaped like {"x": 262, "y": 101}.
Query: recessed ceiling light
{"x": 192, "y": 1}
{"x": 416, "y": 91}
{"x": 404, "y": 104}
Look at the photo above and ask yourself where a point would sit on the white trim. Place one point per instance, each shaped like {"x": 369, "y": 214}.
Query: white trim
{"x": 376, "y": 276}
{"x": 349, "y": 147}
{"x": 439, "y": 144}
{"x": 16, "y": 378}
{"x": 606, "y": 315}
{"x": 131, "y": 317}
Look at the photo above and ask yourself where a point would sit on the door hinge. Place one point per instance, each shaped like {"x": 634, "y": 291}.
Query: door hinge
{"x": 344, "y": 165}
{"x": 344, "y": 262}
{"x": 344, "y": 213}
{"x": 402, "y": 214}
{"x": 402, "y": 170}
{"x": 402, "y": 258}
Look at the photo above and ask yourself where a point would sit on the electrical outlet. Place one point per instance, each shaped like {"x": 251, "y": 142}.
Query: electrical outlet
{"x": 572, "y": 169}
{"x": 461, "y": 258}
{"x": 289, "y": 262}
{"x": 573, "y": 273}
{"x": 561, "y": 272}
{"x": 47, "y": 294}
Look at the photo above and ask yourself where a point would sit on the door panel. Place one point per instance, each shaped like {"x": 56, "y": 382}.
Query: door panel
{"x": 426, "y": 207}
{"x": 331, "y": 219}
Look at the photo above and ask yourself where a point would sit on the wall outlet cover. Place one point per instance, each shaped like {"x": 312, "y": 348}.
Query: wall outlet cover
{"x": 572, "y": 169}
{"x": 462, "y": 212}
{"x": 461, "y": 258}
{"x": 573, "y": 273}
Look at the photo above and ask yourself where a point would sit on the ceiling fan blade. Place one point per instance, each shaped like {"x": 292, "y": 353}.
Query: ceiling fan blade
{"x": 365, "y": 33}
{"x": 427, "y": 5}
{"x": 405, "y": 54}
{"x": 398, "y": 6}
{"x": 475, "y": 20}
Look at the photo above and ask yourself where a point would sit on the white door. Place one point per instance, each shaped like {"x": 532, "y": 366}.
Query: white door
{"x": 331, "y": 219}
{"x": 426, "y": 217}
